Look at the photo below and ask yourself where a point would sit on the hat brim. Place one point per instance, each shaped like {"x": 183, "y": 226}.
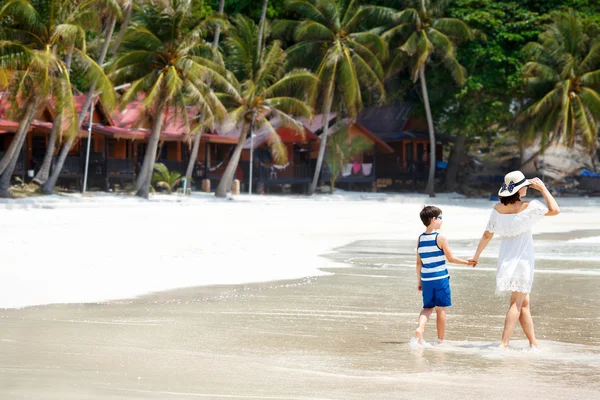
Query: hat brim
{"x": 506, "y": 193}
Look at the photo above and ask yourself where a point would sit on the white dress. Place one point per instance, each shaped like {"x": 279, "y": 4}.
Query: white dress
{"x": 516, "y": 258}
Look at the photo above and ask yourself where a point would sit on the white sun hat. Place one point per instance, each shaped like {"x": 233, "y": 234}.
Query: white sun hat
{"x": 513, "y": 182}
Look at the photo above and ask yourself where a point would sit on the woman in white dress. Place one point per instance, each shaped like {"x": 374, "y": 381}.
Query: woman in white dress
{"x": 512, "y": 219}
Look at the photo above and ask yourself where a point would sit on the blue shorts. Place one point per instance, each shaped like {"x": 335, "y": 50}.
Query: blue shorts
{"x": 436, "y": 293}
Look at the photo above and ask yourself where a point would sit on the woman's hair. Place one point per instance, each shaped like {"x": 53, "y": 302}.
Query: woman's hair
{"x": 510, "y": 199}
{"x": 428, "y": 213}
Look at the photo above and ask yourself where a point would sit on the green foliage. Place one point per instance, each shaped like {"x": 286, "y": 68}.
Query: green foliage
{"x": 264, "y": 88}
{"x": 341, "y": 150}
{"x": 165, "y": 179}
{"x": 562, "y": 79}
{"x": 331, "y": 40}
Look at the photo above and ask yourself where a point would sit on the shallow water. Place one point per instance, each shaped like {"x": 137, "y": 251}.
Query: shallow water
{"x": 343, "y": 336}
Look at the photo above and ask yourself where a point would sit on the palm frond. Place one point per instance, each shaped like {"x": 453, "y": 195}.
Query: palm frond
{"x": 306, "y": 10}
{"x": 293, "y": 81}
{"x": 290, "y": 106}
{"x": 585, "y": 122}
{"x": 278, "y": 148}
{"x": 374, "y": 43}
{"x": 94, "y": 73}
{"x": 457, "y": 71}
{"x": 25, "y": 13}
{"x": 591, "y": 60}
{"x": 591, "y": 79}
{"x": 453, "y": 27}
{"x": 311, "y": 30}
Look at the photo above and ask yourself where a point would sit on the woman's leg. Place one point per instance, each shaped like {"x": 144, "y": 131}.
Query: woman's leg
{"x": 423, "y": 318}
{"x": 441, "y": 322}
{"x": 527, "y": 321}
{"x": 512, "y": 316}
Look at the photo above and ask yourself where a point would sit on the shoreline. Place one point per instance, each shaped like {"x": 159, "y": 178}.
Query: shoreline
{"x": 111, "y": 249}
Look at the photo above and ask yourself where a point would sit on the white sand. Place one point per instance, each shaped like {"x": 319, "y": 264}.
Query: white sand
{"x": 65, "y": 249}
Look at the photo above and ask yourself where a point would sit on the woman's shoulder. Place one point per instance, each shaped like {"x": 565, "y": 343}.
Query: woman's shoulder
{"x": 520, "y": 207}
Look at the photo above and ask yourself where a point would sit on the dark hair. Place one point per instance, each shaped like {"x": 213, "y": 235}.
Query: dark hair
{"x": 510, "y": 199}
{"x": 428, "y": 213}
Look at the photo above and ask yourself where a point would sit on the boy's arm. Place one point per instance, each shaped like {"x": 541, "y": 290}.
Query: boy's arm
{"x": 443, "y": 244}
{"x": 419, "y": 266}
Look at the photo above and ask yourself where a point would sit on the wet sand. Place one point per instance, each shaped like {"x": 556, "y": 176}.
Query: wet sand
{"x": 342, "y": 336}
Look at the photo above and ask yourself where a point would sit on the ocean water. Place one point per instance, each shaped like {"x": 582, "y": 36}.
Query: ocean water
{"x": 347, "y": 335}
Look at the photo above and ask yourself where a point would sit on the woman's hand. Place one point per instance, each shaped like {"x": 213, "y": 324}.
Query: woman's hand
{"x": 537, "y": 184}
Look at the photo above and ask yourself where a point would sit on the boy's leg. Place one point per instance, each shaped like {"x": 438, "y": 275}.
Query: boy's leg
{"x": 423, "y": 318}
{"x": 527, "y": 322}
{"x": 441, "y": 322}
{"x": 512, "y": 316}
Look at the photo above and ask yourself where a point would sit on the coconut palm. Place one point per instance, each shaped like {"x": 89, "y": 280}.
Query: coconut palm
{"x": 170, "y": 66}
{"x": 31, "y": 46}
{"x": 107, "y": 11}
{"x": 562, "y": 80}
{"x": 422, "y": 34}
{"x": 332, "y": 41}
{"x": 266, "y": 91}
{"x": 196, "y": 141}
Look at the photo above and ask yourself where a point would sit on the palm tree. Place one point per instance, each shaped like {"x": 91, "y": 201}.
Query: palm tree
{"x": 108, "y": 7}
{"x": 347, "y": 58}
{"x": 422, "y": 34}
{"x": 562, "y": 82}
{"x": 31, "y": 47}
{"x": 170, "y": 65}
{"x": 265, "y": 92}
{"x": 196, "y": 142}
{"x": 109, "y": 11}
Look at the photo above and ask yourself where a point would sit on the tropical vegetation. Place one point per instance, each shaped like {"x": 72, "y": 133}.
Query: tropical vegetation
{"x": 472, "y": 69}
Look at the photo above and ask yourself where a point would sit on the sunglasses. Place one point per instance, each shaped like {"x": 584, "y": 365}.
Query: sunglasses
{"x": 439, "y": 217}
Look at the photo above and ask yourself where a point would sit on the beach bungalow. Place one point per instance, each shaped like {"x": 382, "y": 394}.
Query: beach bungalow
{"x": 269, "y": 175}
{"x": 361, "y": 172}
{"x": 408, "y": 165}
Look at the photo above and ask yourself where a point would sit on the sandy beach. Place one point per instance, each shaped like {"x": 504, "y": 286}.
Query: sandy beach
{"x": 280, "y": 298}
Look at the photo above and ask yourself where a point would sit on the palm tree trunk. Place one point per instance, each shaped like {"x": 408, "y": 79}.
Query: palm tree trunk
{"x": 218, "y": 30}
{"x": 49, "y": 185}
{"x": 196, "y": 146}
{"x": 143, "y": 183}
{"x": 322, "y": 146}
{"x": 227, "y": 179}
{"x": 42, "y": 176}
{"x": 193, "y": 156}
{"x": 7, "y": 174}
{"x": 453, "y": 163}
{"x": 17, "y": 142}
{"x": 431, "y": 178}
{"x": 261, "y": 26}
{"x": 123, "y": 29}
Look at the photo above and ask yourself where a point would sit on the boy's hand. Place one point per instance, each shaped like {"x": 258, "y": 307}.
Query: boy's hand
{"x": 419, "y": 287}
{"x": 472, "y": 262}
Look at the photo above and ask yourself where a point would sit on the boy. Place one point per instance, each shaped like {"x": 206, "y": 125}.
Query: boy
{"x": 432, "y": 276}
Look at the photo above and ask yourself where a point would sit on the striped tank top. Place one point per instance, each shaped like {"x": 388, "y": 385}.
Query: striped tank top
{"x": 432, "y": 257}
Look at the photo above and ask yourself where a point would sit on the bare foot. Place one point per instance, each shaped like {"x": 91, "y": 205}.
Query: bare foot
{"x": 534, "y": 345}
{"x": 502, "y": 346}
{"x": 419, "y": 335}
{"x": 440, "y": 341}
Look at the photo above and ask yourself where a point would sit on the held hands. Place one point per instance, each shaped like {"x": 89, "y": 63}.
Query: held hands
{"x": 472, "y": 262}
{"x": 537, "y": 184}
